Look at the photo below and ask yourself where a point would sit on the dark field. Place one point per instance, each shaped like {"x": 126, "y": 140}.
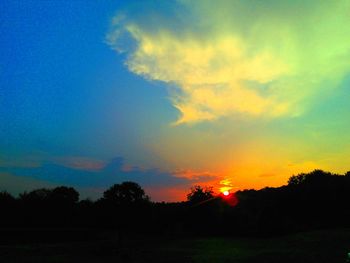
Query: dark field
{"x": 318, "y": 246}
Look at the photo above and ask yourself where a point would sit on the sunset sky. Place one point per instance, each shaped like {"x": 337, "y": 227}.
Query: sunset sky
{"x": 229, "y": 93}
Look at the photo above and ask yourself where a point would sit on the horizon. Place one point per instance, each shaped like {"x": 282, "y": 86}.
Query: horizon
{"x": 235, "y": 95}
{"x": 216, "y": 192}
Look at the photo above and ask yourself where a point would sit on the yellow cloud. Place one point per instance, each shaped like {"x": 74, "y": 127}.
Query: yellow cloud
{"x": 232, "y": 59}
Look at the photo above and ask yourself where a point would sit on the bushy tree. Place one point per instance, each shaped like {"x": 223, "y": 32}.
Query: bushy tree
{"x": 126, "y": 193}
{"x": 200, "y": 194}
{"x": 64, "y": 194}
{"x": 312, "y": 177}
{"x": 38, "y": 195}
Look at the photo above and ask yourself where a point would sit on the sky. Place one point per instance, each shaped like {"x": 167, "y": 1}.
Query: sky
{"x": 229, "y": 93}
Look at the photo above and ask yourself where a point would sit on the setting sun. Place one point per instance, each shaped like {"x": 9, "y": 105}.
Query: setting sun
{"x": 226, "y": 193}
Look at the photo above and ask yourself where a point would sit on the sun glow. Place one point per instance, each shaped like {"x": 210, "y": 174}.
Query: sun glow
{"x": 225, "y": 193}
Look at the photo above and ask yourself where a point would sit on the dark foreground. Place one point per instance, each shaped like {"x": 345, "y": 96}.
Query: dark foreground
{"x": 326, "y": 246}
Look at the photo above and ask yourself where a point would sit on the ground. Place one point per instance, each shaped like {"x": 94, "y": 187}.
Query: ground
{"x": 326, "y": 246}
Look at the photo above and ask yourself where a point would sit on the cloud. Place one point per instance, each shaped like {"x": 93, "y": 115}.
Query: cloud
{"x": 221, "y": 58}
{"x": 80, "y": 163}
{"x": 226, "y": 185}
{"x": 189, "y": 174}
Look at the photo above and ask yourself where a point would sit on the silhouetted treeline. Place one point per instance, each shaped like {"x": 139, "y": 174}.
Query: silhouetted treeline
{"x": 309, "y": 201}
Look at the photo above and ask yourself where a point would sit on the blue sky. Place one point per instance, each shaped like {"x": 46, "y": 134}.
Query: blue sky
{"x": 63, "y": 87}
{"x": 64, "y": 92}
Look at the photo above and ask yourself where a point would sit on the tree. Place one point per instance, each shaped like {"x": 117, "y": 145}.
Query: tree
{"x": 38, "y": 195}
{"x": 126, "y": 193}
{"x": 296, "y": 179}
{"x": 200, "y": 194}
{"x": 6, "y": 198}
{"x": 65, "y": 195}
{"x": 124, "y": 207}
{"x": 314, "y": 177}
{"x": 8, "y": 209}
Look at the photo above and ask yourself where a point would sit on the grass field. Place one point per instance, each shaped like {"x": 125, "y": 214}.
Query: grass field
{"x": 326, "y": 246}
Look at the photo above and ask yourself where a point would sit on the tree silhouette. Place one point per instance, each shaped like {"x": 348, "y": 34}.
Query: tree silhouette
{"x": 8, "y": 207}
{"x": 296, "y": 179}
{"x": 200, "y": 194}
{"x": 313, "y": 177}
{"x": 310, "y": 201}
{"x": 35, "y": 196}
{"x": 6, "y": 197}
{"x": 124, "y": 208}
{"x": 64, "y": 194}
{"x": 126, "y": 193}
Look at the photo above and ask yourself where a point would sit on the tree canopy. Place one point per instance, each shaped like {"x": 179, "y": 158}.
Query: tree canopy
{"x": 125, "y": 193}
{"x": 200, "y": 194}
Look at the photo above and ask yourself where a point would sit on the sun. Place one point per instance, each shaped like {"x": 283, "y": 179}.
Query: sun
{"x": 226, "y": 193}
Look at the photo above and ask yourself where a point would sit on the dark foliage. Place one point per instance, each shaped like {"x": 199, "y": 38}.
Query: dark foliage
{"x": 126, "y": 193}
{"x": 199, "y": 194}
{"x": 310, "y": 201}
